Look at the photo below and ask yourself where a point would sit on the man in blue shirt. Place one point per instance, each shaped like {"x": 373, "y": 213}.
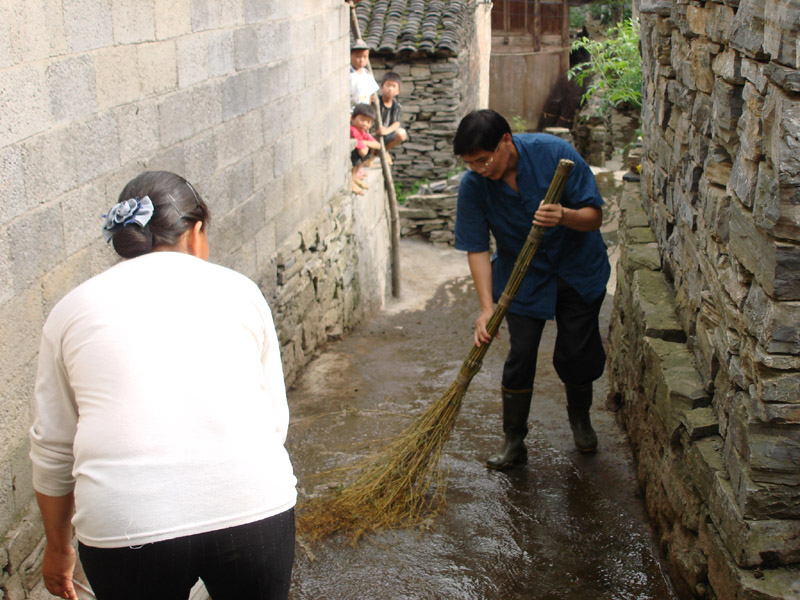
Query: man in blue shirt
{"x": 508, "y": 178}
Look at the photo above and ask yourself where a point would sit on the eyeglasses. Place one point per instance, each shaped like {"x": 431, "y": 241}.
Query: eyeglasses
{"x": 482, "y": 165}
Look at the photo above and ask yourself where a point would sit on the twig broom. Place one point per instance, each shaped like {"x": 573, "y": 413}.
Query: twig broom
{"x": 391, "y": 488}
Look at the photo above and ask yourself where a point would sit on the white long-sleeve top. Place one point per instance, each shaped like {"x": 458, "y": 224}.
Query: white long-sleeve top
{"x": 161, "y": 402}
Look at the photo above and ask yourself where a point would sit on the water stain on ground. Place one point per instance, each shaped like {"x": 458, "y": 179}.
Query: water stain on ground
{"x": 564, "y": 526}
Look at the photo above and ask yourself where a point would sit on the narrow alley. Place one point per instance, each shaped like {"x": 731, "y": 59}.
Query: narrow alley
{"x": 564, "y": 526}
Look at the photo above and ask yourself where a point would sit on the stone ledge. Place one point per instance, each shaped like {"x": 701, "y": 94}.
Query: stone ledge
{"x": 436, "y": 201}
{"x": 752, "y": 543}
{"x": 759, "y": 499}
{"x": 677, "y": 387}
{"x": 733, "y": 582}
{"x": 638, "y": 235}
{"x": 654, "y": 307}
{"x": 631, "y": 213}
{"x": 699, "y": 422}
{"x": 639, "y": 256}
{"x": 704, "y": 461}
{"x": 417, "y": 214}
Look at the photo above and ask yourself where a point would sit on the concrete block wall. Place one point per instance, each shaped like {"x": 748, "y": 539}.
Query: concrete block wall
{"x": 718, "y": 233}
{"x": 248, "y": 99}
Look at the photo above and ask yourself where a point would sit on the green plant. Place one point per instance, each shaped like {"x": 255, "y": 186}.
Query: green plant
{"x": 519, "y": 124}
{"x": 400, "y": 189}
{"x": 398, "y": 192}
{"x": 634, "y": 142}
{"x": 577, "y": 16}
{"x": 614, "y": 69}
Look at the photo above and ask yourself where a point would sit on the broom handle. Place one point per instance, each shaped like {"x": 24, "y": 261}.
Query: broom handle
{"x": 473, "y": 362}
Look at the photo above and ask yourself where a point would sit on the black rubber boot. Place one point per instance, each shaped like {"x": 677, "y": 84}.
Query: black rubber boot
{"x": 516, "y": 406}
{"x": 579, "y": 401}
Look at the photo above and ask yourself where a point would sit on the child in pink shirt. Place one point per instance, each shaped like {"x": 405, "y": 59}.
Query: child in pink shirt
{"x": 366, "y": 146}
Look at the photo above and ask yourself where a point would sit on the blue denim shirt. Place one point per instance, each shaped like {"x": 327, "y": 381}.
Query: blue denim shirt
{"x": 579, "y": 258}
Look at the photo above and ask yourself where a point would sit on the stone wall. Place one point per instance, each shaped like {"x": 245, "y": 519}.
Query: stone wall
{"x": 249, "y": 101}
{"x": 433, "y": 97}
{"x": 705, "y": 343}
{"x": 604, "y": 137}
{"x": 431, "y": 213}
{"x": 436, "y": 92}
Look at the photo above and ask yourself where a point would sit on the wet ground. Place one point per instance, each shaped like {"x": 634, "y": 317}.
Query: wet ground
{"x": 564, "y": 526}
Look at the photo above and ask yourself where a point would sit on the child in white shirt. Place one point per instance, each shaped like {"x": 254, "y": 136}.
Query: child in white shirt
{"x": 362, "y": 84}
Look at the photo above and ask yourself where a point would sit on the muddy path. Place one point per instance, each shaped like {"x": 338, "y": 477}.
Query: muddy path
{"x": 564, "y": 526}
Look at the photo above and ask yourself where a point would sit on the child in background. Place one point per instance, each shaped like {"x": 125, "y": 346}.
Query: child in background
{"x": 362, "y": 84}
{"x": 366, "y": 146}
{"x": 393, "y": 134}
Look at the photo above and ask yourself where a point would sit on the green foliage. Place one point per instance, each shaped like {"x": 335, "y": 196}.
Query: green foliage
{"x": 577, "y": 17}
{"x": 519, "y": 124}
{"x": 609, "y": 11}
{"x": 398, "y": 192}
{"x": 614, "y": 69}
{"x": 400, "y": 189}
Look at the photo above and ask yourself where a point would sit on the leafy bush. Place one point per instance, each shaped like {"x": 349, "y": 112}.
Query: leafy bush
{"x": 614, "y": 69}
{"x": 610, "y": 11}
{"x": 577, "y": 16}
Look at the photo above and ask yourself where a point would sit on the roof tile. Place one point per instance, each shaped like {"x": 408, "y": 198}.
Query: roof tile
{"x": 415, "y": 26}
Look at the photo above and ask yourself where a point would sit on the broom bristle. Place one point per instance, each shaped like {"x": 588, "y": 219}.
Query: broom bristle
{"x": 399, "y": 487}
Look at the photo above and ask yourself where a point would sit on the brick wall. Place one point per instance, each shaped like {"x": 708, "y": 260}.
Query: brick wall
{"x": 248, "y": 100}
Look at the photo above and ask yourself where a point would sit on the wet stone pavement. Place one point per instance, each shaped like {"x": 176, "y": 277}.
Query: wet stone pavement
{"x": 563, "y": 526}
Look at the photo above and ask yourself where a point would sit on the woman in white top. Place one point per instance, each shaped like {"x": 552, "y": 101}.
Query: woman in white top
{"x": 162, "y": 416}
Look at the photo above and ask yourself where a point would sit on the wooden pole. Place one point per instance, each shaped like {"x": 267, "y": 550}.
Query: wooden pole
{"x": 387, "y": 175}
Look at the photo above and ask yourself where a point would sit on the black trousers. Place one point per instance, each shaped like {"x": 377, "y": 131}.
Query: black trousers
{"x": 578, "y": 357}
{"x": 252, "y": 561}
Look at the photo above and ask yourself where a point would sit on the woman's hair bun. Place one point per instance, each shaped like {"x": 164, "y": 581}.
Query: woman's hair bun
{"x": 154, "y": 209}
{"x": 132, "y": 241}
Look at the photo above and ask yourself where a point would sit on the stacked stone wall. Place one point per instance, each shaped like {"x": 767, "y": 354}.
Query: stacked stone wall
{"x": 249, "y": 101}
{"x": 705, "y": 342}
{"x": 436, "y": 92}
{"x": 433, "y": 98}
{"x": 431, "y": 213}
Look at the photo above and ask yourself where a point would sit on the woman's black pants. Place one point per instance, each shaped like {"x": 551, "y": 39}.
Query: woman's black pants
{"x": 252, "y": 561}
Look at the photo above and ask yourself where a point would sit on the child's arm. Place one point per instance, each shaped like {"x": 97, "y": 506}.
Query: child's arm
{"x": 374, "y": 144}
